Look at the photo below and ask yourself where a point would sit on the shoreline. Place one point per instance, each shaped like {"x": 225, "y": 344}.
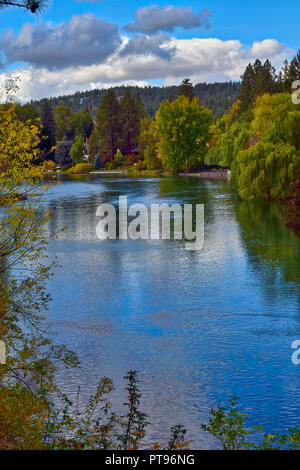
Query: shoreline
{"x": 214, "y": 175}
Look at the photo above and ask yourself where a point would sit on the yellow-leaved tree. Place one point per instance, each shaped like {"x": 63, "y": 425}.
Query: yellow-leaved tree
{"x": 27, "y": 377}
{"x": 183, "y": 129}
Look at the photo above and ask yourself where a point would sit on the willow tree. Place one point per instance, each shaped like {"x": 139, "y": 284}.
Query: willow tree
{"x": 183, "y": 129}
{"x": 270, "y": 160}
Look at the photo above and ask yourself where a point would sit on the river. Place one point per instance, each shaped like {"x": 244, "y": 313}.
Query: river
{"x": 199, "y": 326}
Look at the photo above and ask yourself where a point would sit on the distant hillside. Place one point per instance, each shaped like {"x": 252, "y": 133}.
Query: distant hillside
{"x": 216, "y": 96}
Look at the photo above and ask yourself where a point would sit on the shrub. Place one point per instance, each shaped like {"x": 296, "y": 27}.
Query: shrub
{"x": 119, "y": 158}
{"x": 80, "y": 169}
{"x": 50, "y": 165}
{"x": 110, "y": 165}
{"x": 228, "y": 425}
{"x": 131, "y": 159}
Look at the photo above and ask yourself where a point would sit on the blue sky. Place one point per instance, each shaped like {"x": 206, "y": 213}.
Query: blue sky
{"x": 161, "y": 46}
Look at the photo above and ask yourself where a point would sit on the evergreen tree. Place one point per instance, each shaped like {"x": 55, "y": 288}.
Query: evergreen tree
{"x": 86, "y": 123}
{"x": 140, "y": 108}
{"x": 107, "y": 128}
{"x": 294, "y": 69}
{"x": 48, "y": 131}
{"x": 130, "y": 122}
{"x": 246, "y": 94}
{"x": 186, "y": 89}
{"x": 257, "y": 79}
{"x": 265, "y": 79}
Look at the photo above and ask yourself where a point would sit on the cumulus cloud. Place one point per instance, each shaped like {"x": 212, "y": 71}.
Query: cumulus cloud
{"x": 208, "y": 59}
{"x": 84, "y": 40}
{"x": 152, "y": 19}
{"x": 158, "y": 45}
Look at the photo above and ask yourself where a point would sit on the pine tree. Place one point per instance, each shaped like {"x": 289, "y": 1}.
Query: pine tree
{"x": 107, "y": 128}
{"x": 140, "y": 108}
{"x": 130, "y": 122}
{"x": 48, "y": 131}
{"x": 284, "y": 79}
{"x": 246, "y": 94}
{"x": 294, "y": 69}
{"x": 265, "y": 79}
{"x": 186, "y": 89}
{"x": 258, "y": 79}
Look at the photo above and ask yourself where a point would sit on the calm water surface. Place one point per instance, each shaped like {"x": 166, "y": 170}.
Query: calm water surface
{"x": 198, "y": 326}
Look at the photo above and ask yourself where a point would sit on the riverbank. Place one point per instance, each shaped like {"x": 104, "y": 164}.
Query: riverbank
{"x": 208, "y": 174}
{"x": 292, "y": 207}
{"x": 109, "y": 172}
{"x": 213, "y": 175}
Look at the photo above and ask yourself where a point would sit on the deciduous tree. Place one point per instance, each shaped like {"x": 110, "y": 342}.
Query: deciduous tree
{"x": 78, "y": 149}
{"x": 183, "y": 128}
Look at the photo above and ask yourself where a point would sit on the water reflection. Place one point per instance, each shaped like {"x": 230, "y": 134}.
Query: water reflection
{"x": 198, "y": 326}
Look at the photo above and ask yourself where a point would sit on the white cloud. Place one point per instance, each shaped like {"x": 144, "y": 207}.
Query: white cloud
{"x": 152, "y": 19}
{"x": 84, "y": 40}
{"x": 208, "y": 59}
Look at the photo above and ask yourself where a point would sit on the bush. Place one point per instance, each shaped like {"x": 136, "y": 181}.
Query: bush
{"x": 80, "y": 168}
{"x": 134, "y": 172}
{"x": 131, "y": 159}
{"x": 110, "y": 165}
{"x": 228, "y": 425}
{"x": 50, "y": 165}
{"x": 141, "y": 165}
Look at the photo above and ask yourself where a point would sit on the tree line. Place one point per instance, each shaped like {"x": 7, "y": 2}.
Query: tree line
{"x": 216, "y": 96}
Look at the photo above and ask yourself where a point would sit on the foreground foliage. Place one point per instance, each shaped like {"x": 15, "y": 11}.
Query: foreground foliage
{"x": 27, "y": 378}
{"x": 228, "y": 425}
